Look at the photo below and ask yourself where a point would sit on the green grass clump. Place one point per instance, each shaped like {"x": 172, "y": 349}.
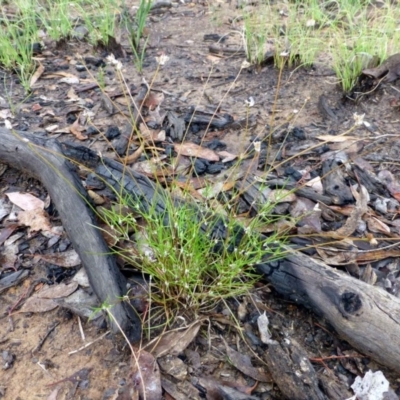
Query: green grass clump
{"x": 344, "y": 33}
{"x": 17, "y": 37}
{"x": 20, "y": 29}
{"x": 186, "y": 265}
{"x": 135, "y": 31}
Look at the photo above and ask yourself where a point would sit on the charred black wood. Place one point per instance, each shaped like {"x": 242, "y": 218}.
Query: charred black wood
{"x": 213, "y": 120}
{"x": 334, "y": 182}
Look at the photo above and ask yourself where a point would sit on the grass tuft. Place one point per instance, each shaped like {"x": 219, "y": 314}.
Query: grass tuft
{"x": 186, "y": 264}
{"x": 344, "y": 34}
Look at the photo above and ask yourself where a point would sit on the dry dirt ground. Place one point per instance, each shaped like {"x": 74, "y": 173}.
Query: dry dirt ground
{"x": 192, "y": 76}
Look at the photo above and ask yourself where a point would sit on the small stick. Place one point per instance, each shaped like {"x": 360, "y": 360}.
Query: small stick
{"x": 41, "y": 343}
{"x": 88, "y": 344}
{"x": 81, "y": 329}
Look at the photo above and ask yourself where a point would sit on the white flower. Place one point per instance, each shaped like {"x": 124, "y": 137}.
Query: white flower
{"x": 112, "y": 61}
{"x": 358, "y": 119}
{"x": 245, "y": 64}
{"x": 250, "y": 102}
{"x": 162, "y": 60}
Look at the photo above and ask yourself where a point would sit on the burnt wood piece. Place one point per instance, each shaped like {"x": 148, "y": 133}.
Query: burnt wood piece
{"x": 326, "y": 110}
{"x": 212, "y": 120}
{"x": 372, "y": 183}
{"x": 43, "y": 159}
{"x": 121, "y": 143}
{"x": 366, "y": 316}
{"x": 252, "y": 191}
{"x": 292, "y": 371}
{"x": 333, "y": 388}
{"x": 334, "y": 182}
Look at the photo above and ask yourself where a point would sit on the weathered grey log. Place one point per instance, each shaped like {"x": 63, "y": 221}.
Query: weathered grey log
{"x": 292, "y": 371}
{"x": 366, "y": 316}
{"x": 43, "y": 159}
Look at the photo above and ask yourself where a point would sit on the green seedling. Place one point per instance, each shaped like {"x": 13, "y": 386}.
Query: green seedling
{"x": 16, "y": 42}
{"x": 135, "y": 31}
{"x": 100, "y": 19}
{"x": 56, "y": 18}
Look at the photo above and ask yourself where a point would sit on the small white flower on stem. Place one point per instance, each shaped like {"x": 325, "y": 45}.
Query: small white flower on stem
{"x": 245, "y": 64}
{"x": 358, "y": 119}
{"x": 162, "y": 59}
{"x": 112, "y": 61}
{"x": 250, "y": 102}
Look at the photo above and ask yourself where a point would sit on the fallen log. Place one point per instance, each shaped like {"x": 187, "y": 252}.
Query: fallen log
{"x": 366, "y": 316}
{"x": 43, "y": 159}
{"x": 293, "y": 373}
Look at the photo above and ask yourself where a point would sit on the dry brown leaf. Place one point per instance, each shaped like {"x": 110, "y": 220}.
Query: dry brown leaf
{"x": 281, "y": 196}
{"x": 336, "y": 139}
{"x": 97, "y": 199}
{"x": 146, "y": 376}
{"x": 243, "y": 363}
{"x": 213, "y": 59}
{"x": 69, "y": 80}
{"x": 213, "y": 191}
{"x": 217, "y": 389}
{"x": 37, "y": 220}
{"x": 53, "y": 395}
{"x": 35, "y": 305}
{"x": 151, "y": 135}
{"x": 174, "y": 342}
{"x": 316, "y": 184}
{"x": 36, "y": 107}
{"x": 7, "y": 231}
{"x": 152, "y": 100}
{"x": 358, "y": 211}
{"x": 389, "y": 180}
{"x": 38, "y": 73}
{"x": 375, "y": 225}
{"x": 194, "y": 150}
{"x": 58, "y": 74}
{"x": 76, "y": 130}
{"x": 155, "y": 116}
{"x": 72, "y": 95}
{"x": 25, "y": 201}
{"x": 134, "y": 156}
{"x": 9, "y": 256}
{"x": 342, "y": 258}
{"x": 226, "y": 156}
{"x": 57, "y": 291}
{"x": 369, "y": 275}
{"x": 66, "y": 259}
{"x": 376, "y": 255}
